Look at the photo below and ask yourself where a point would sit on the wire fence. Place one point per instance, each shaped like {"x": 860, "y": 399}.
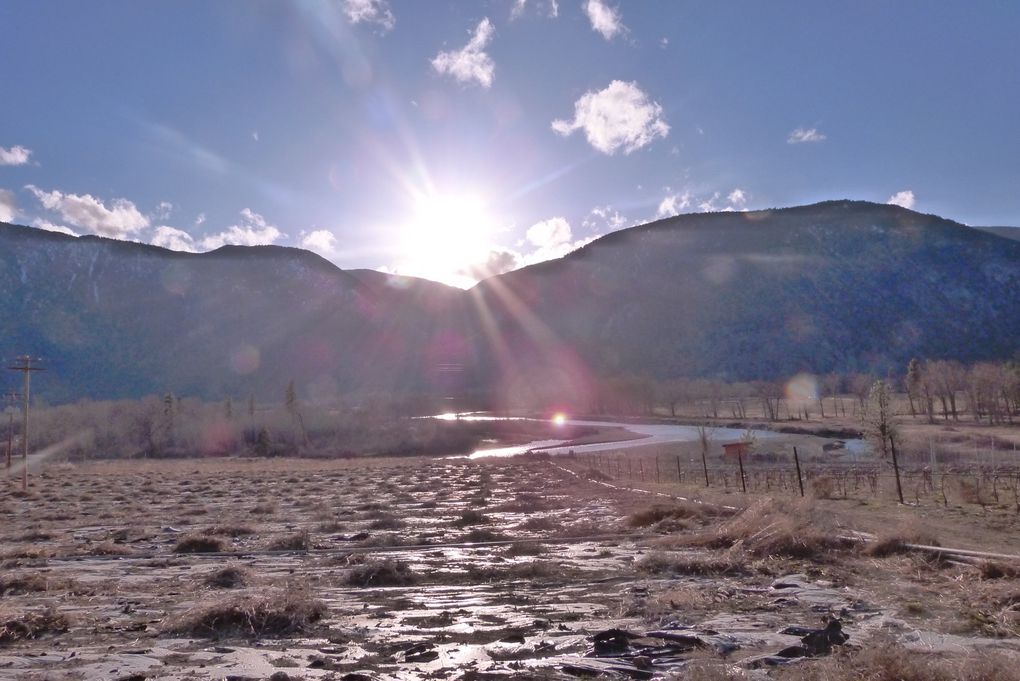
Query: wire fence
{"x": 991, "y": 484}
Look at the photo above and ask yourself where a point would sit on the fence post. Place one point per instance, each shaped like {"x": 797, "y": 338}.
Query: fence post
{"x": 800, "y": 480}
{"x": 896, "y": 469}
{"x": 740, "y": 462}
{"x": 704, "y": 464}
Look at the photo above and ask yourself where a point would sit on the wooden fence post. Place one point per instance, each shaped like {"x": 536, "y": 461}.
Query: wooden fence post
{"x": 800, "y": 480}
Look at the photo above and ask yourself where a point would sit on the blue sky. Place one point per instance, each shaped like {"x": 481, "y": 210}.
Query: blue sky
{"x": 454, "y": 139}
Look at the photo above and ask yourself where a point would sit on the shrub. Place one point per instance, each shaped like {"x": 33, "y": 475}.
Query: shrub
{"x": 299, "y": 541}
{"x": 31, "y": 625}
{"x": 229, "y": 577}
{"x": 194, "y": 543}
{"x": 250, "y": 615}
{"x": 387, "y": 572}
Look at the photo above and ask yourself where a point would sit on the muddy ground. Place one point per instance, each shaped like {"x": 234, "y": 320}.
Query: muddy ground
{"x": 436, "y": 568}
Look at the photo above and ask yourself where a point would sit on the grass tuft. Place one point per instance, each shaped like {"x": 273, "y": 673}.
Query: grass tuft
{"x": 194, "y": 543}
{"x": 250, "y": 615}
{"x": 387, "y": 572}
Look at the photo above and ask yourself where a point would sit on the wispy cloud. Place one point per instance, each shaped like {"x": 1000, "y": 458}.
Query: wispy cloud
{"x": 376, "y": 12}
{"x": 905, "y": 199}
{"x": 673, "y": 204}
{"x": 604, "y": 217}
{"x": 737, "y": 199}
{"x": 8, "y": 206}
{"x": 15, "y": 156}
{"x": 621, "y": 116}
{"x": 604, "y": 19}
{"x": 470, "y": 63}
{"x": 520, "y": 6}
{"x": 803, "y": 135}
{"x": 253, "y": 231}
{"x": 121, "y": 219}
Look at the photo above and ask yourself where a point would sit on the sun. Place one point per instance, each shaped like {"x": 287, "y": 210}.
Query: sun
{"x": 559, "y": 418}
{"x": 445, "y": 236}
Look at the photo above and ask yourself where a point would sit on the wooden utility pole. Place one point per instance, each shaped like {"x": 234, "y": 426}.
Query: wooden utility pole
{"x": 24, "y": 365}
{"x": 12, "y": 399}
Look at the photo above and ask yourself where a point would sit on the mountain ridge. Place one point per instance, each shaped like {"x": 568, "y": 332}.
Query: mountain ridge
{"x": 833, "y": 286}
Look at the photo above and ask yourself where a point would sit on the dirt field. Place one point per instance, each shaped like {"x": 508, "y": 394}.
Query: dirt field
{"x": 450, "y": 568}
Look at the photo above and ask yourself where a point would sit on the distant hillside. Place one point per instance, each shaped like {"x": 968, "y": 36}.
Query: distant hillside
{"x": 837, "y": 286}
{"x": 124, "y": 319}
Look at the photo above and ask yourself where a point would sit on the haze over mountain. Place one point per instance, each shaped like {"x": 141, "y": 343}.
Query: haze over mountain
{"x": 835, "y": 286}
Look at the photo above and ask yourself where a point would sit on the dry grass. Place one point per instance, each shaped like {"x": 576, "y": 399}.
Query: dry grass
{"x": 775, "y": 528}
{"x": 229, "y": 577}
{"x": 886, "y": 661}
{"x": 22, "y": 583}
{"x": 895, "y": 541}
{"x": 654, "y": 515}
{"x": 250, "y": 615}
{"x": 31, "y": 625}
{"x": 387, "y": 572}
{"x": 688, "y": 563}
{"x": 299, "y": 541}
{"x": 108, "y": 548}
{"x": 196, "y": 543}
{"x": 230, "y": 530}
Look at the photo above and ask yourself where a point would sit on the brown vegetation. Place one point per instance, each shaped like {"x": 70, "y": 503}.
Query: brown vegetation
{"x": 250, "y": 615}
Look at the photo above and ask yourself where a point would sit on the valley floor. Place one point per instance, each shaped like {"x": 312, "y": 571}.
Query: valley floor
{"x": 528, "y": 567}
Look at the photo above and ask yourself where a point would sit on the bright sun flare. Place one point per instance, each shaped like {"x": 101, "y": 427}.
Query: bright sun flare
{"x": 446, "y": 236}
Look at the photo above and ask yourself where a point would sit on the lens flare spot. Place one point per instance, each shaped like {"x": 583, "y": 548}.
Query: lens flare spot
{"x": 245, "y": 359}
{"x": 802, "y": 387}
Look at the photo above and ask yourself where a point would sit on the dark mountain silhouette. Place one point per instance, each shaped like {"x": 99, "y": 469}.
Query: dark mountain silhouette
{"x": 836, "y": 286}
{"x": 113, "y": 318}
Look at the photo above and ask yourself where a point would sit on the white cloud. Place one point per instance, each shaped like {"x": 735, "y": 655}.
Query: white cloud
{"x": 604, "y": 19}
{"x": 370, "y": 12}
{"x": 802, "y": 135}
{"x": 200, "y": 219}
{"x": 708, "y": 205}
{"x": 604, "y": 217}
{"x": 673, "y": 204}
{"x": 8, "y": 206}
{"x": 663, "y": 43}
{"x": 321, "y": 241}
{"x": 50, "y": 227}
{"x": 471, "y": 63}
{"x": 253, "y": 231}
{"x": 619, "y": 117}
{"x": 120, "y": 220}
{"x": 174, "y": 239}
{"x": 551, "y": 232}
{"x": 552, "y": 8}
{"x": 15, "y": 156}
{"x": 552, "y": 238}
{"x": 904, "y": 198}
{"x": 737, "y": 199}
